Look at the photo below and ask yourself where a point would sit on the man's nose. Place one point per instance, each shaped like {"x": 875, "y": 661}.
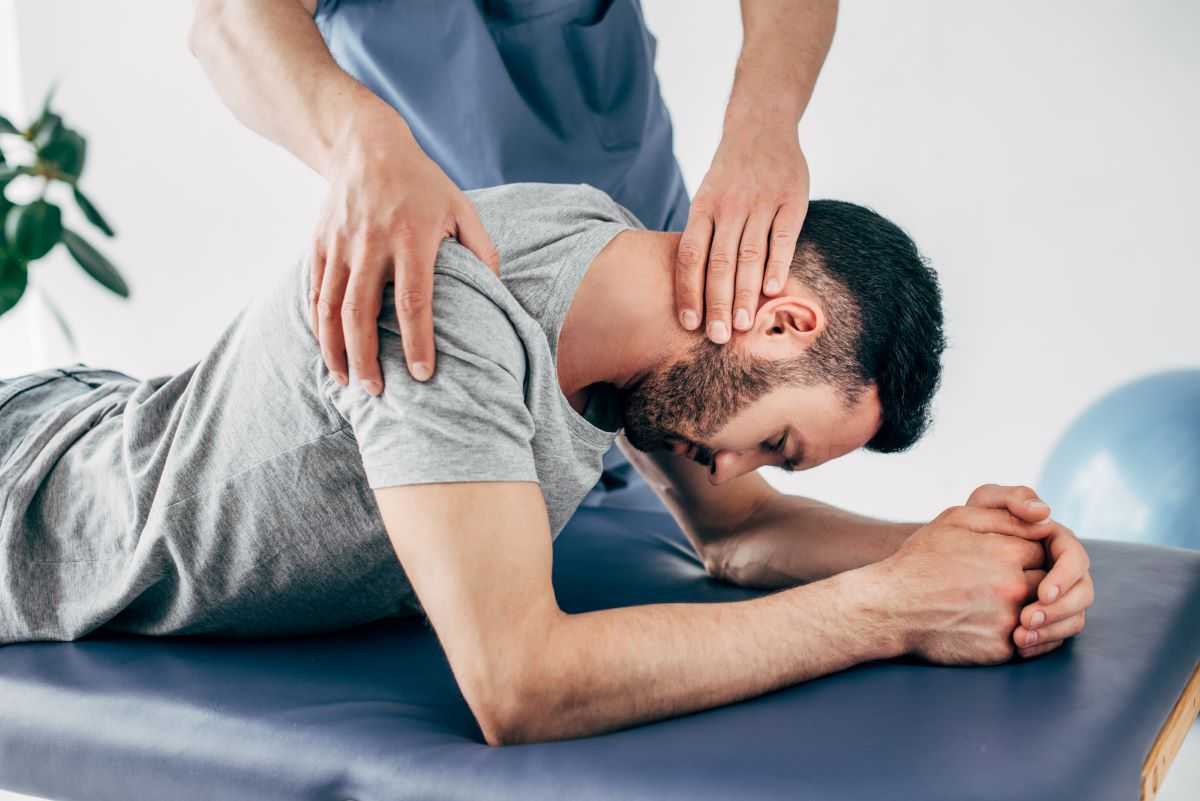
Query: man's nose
{"x": 729, "y": 464}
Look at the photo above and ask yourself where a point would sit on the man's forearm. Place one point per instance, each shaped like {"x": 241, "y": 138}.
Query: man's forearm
{"x": 791, "y": 540}
{"x": 604, "y": 670}
{"x": 784, "y": 44}
{"x": 271, "y": 67}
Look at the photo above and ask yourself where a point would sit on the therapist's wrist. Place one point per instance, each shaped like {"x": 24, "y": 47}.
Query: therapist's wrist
{"x": 364, "y": 124}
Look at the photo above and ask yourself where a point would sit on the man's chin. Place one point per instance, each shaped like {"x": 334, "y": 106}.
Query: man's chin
{"x": 649, "y": 442}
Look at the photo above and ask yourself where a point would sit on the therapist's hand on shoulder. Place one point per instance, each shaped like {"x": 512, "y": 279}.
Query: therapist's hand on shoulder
{"x": 741, "y": 231}
{"x": 388, "y": 209}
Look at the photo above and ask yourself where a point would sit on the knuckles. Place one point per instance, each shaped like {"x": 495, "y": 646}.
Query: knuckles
{"x": 411, "y": 302}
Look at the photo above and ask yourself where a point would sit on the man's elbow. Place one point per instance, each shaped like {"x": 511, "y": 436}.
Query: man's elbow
{"x": 206, "y": 17}
{"x": 510, "y": 715}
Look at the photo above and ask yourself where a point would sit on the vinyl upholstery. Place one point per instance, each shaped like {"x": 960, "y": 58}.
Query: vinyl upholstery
{"x": 373, "y": 713}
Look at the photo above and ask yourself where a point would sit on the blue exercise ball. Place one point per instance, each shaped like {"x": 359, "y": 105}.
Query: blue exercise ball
{"x": 1129, "y": 467}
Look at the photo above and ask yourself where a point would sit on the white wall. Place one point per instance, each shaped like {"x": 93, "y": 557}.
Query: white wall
{"x": 1042, "y": 155}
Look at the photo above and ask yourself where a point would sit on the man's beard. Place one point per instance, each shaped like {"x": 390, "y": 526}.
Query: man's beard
{"x": 692, "y": 399}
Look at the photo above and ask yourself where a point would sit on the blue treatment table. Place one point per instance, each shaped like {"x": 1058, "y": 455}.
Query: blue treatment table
{"x": 373, "y": 713}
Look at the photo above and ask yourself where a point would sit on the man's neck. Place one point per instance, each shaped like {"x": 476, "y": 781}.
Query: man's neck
{"x": 621, "y": 323}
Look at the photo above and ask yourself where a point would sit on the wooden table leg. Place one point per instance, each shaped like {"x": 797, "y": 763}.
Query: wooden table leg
{"x": 1171, "y": 737}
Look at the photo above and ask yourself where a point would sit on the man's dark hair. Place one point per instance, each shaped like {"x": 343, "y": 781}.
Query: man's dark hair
{"x": 883, "y": 310}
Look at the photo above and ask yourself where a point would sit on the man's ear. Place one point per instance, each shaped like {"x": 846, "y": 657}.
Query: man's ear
{"x": 786, "y": 326}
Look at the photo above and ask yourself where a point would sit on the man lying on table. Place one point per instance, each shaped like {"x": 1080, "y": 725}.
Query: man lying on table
{"x": 254, "y": 494}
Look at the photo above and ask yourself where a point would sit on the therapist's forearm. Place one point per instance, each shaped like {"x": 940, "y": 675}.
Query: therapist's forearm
{"x": 784, "y": 44}
{"x": 271, "y": 67}
{"x": 793, "y": 540}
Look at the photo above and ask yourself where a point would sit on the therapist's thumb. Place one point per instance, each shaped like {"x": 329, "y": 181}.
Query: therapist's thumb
{"x": 475, "y": 237}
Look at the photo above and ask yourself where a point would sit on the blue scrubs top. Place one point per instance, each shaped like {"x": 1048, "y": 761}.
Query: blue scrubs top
{"x": 498, "y": 91}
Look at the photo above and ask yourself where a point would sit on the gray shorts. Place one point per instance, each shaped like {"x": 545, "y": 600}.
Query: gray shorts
{"x": 25, "y": 398}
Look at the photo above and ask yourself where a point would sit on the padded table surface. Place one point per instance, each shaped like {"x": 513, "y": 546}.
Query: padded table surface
{"x": 373, "y": 713}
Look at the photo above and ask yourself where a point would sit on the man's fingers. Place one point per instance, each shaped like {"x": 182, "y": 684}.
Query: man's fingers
{"x": 1038, "y": 649}
{"x": 414, "y": 296}
{"x": 985, "y": 520}
{"x": 785, "y": 231}
{"x": 1071, "y": 564}
{"x": 691, "y": 258}
{"x": 475, "y": 237}
{"x": 360, "y": 322}
{"x": 329, "y": 311}
{"x": 316, "y": 267}
{"x": 752, "y": 253}
{"x": 1061, "y": 630}
{"x": 719, "y": 276}
{"x": 1022, "y": 501}
{"x": 1033, "y": 577}
{"x": 1075, "y": 600}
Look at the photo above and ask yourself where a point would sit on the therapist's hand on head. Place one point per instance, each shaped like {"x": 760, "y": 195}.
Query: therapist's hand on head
{"x": 388, "y": 209}
{"x": 742, "y": 230}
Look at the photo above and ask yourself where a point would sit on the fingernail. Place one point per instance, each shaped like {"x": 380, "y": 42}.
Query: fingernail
{"x": 1031, "y": 638}
{"x": 1036, "y": 504}
{"x": 772, "y": 286}
{"x": 372, "y": 386}
{"x": 1039, "y": 617}
{"x": 341, "y": 378}
{"x": 421, "y": 371}
{"x": 741, "y": 320}
{"x": 1053, "y": 592}
{"x": 717, "y": 332}
{"x": 689, "y": 319}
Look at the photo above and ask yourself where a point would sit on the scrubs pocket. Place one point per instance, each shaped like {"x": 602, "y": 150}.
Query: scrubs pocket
{"x": 613, "y": 61}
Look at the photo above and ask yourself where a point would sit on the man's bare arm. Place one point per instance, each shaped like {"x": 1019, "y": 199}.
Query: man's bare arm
{"x": 791, "y": 540}
{"x": 749, "y": 533}
{"x": 479, "y": 557}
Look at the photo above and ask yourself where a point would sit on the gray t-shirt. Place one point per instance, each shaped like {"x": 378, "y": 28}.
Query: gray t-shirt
{"x": 234, "y": 497}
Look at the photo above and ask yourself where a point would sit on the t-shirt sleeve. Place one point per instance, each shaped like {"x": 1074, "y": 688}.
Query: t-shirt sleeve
{"x": 469, "y": 422}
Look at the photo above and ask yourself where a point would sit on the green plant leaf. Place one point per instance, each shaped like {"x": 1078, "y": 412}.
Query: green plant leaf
{"x": 7, "y": 127}
{"x": 12, "y": 171}
{"x": 67, "y": 151}
{"x": 32, "y": 230}
{"x": 57, "y": 314}
{"x": 94, "y": 263}
{"x": 42, "y": 132}
{"x": 92, "y": 213}
{"x": 13, "y": 280}
{"x": 49, "y": 98}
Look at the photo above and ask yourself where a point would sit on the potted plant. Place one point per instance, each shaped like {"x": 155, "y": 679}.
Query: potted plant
{"x": 48, "y": 150}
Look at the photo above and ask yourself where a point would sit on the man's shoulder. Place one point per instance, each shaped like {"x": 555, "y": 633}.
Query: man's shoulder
{"x": 474, "y": 314}
{"x": 541, "y": 199}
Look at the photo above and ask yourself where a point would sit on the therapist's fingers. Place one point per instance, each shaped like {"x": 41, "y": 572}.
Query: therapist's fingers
{"x": 752, "y": 256}
{"x": 316, "y": 267}
{"x": 785, "y": 231}
{"x": 475, "y": 238}
{"x": 691, "y": 257}
{"x": 360, "y": 318}
{"x": 720, "y": 274}
{"x": 414, "y": 295}
{"x": 329, "y": 310}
